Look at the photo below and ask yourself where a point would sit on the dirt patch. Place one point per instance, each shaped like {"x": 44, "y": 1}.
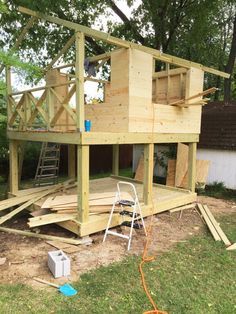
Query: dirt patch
{"x": 27, "y": 257}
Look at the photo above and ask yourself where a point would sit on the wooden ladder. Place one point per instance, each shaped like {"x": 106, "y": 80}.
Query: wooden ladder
{"x": 48, "y": 165}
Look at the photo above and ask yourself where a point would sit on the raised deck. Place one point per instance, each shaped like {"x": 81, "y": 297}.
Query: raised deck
{"x": 164, "y": 198}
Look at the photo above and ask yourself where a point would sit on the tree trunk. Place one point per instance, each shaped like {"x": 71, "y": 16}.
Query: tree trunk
{"x": 230, "y": 65}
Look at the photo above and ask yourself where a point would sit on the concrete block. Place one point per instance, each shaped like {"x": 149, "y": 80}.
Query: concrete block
{"x": 59, "y": 263}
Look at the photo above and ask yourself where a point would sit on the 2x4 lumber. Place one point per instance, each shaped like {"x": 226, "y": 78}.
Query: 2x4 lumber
{"x": 231, "y": 247}
{"x": 115, "y": 159}
{"x": 60, "y": 53}
{"x": 42, "y": 236}
{"x": 122, "y": 43}
{"x": 83, "y": 182}
{"x": 172, "y": 72}
{"x": 189, "y": 206}
{"x": 205, "y": 92}
{"x": 99, "y": 138}
{"x": 13, "y": 147}
{"x": 217, "y": 226}
{"x": 49, "y": 219}
{"x": 71, "y": 161}
{"x": 79, "y": 80}
{"x": 20, "y": 38}
{"x": 192, "y": 157}
{"x": 209, "y": 223}
{"x": 18, "y": 200}
{"x": 37, "y": 89}
{"x": 148, "y": 173}
{"x": 25, "y": 205}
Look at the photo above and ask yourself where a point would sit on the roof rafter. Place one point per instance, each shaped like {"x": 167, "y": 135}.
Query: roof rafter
{"x": 123, "y": 43}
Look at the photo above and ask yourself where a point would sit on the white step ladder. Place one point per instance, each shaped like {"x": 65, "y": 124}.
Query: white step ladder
{"x": 135, "y": 213}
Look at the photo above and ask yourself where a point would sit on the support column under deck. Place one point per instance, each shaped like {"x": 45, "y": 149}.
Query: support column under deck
{"x": 115, "y": 159}
{"x": 71, "y": 161}
{"x": 192, "y": 153}
{"x": 13, "y": 158}
{"x": 148, "y": 173}
{"x": 83, "y": 182}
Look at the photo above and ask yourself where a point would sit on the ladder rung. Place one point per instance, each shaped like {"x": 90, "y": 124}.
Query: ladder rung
{"x": 49, "y": 167}
{"x": 46, "y": 176}
{"x": 50, "y": 158}
{"x": 118, "y": 234}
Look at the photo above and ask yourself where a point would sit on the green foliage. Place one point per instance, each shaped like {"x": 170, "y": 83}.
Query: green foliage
{"x": 194, "y": 277}
{"x": 218, "y": 190}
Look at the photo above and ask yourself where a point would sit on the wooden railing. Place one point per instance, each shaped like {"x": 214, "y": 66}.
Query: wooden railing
{"x": 31, "y": 112}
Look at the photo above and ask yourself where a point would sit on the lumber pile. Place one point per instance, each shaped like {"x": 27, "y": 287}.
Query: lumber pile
{"x": 214, "y": 227}
{"x": 177, "y": 170}
{"x": 62, "y": 208}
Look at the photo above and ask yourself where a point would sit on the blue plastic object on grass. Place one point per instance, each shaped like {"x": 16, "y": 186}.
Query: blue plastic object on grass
{"x": 65, "y": 289}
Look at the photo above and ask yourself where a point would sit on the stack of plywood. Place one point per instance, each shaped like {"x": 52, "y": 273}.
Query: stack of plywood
{"x": 177, "y": 171}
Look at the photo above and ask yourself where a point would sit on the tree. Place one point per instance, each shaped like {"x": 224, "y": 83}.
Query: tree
{"x": 199, "y": 30}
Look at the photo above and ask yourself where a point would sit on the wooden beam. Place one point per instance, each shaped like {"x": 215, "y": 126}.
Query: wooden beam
{"x": 83, "y": 182}
{"x": 68, "y": 44}
{"x": 42, "y": 236}
{"x": 217, "y": 226}
{"x": 148, "y": 173}
{"x": 115, "y": 160}
{"x": 79, "y": 80}
{"x": 209, "y": 223}
{"x": 13, "y": 147}
{"x": 71, "y": 161}
{"x": 20, "y": 38}
{"x": 101, "y": 138}
{"x": 192, "y": 154}
{"x": 49, "y": 219}
{"x": 122, "y": 43}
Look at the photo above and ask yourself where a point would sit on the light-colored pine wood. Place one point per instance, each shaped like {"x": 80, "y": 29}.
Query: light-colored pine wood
{"x": 181, "y": 163}
{"x": 192, "y": 166}
{"x": 231, "y": 247}
{"x": 71, "y": 161}
{"x": 217, "y": 226}
{"x": 148, "y": 173}
{"x": 41, "y": 236}
{"x": 115, "y": 160}
{"x": 171, "y": 169}
{"x": 209, "y": 223}
{"x": 79, "y": 80}
{"x": 13, "y": 159}
{"x": 83, "y": 182}
{"x": 182, "y": 208}
{"x": 49, "y": 219}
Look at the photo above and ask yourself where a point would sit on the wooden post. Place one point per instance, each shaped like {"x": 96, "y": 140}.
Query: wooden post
{"x": 13, "y": 147}
{"x": 50, "y": 107}
{"x": 192, "y": 166}
{"x": 83, "y": 182}
{"x": 9, "y": 90}
{"x": 79, "y": 80}
{"x": 115, "y": 159}
{"x": 148, "y": 173}
{"x": 71, "y": 161}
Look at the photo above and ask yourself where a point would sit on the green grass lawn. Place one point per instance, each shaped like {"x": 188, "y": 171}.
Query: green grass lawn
{"x": 195, "y": 277}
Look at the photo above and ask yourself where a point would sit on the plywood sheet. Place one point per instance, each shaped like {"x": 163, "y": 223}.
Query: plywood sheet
{"x": 181, "y": 163}
{"x": 170, "y": 178}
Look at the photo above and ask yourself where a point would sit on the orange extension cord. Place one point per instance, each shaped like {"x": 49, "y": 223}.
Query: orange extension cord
{"x": 145, "y": 257}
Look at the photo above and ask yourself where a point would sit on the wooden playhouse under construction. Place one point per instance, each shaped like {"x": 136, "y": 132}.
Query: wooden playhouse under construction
{"x": 140, "y": 106}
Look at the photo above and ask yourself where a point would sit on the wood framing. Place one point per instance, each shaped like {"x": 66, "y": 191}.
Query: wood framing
{"x": 115, "y": 159}
{"x": 83, "y": 182}
{"x": 13, "y": 158}
{"x": 140, "y": 106}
